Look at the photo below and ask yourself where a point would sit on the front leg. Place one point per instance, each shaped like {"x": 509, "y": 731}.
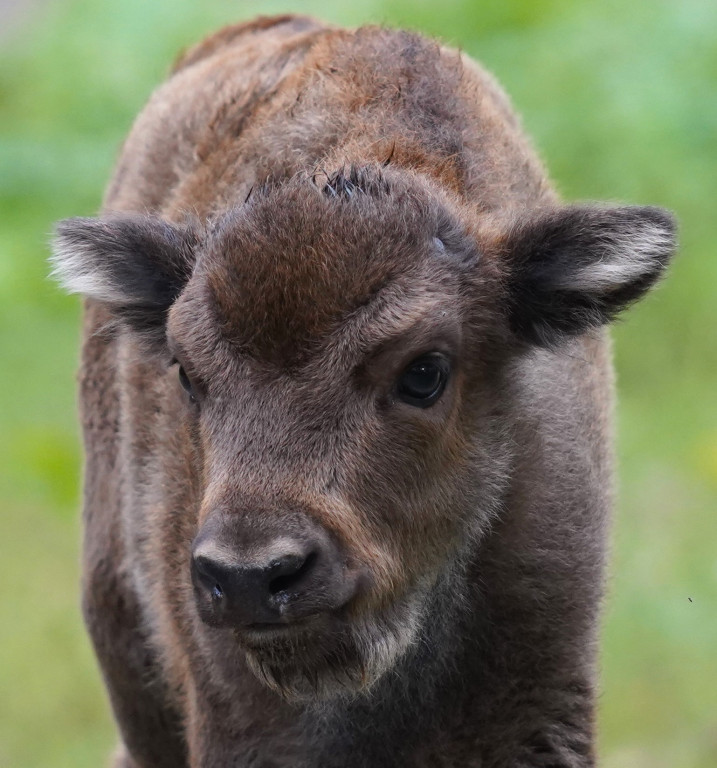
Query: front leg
{"x": 150, "y": 727}
{"x": 250, "y": 728}
{"x": 565, "y": 742}
{"x": 122, "y": 759}
{"x": 541, "y": 725}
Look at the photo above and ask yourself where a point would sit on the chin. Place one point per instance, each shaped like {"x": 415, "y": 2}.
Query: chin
{"x": 320, "y": 664}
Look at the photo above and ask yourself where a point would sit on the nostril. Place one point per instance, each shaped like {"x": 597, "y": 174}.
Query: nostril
{"x": 211, "y": 576}
{"x": 291, "y": 573}
{"x": 217, "y": 592}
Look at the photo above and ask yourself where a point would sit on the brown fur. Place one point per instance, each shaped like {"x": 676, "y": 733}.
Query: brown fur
{"x": 335, "y": 204}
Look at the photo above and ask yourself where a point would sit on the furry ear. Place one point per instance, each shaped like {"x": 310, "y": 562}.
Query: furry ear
{"x": 576, "y": 267}
{"x": 135, "y": 264}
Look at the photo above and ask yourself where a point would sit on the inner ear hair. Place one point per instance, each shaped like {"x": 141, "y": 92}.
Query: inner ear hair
{"x": 135, "y": 264}
{"x": 124, "y": 259}
{"x": 577, "y": 267}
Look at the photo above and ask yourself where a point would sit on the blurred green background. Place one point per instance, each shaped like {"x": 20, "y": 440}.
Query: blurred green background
{"x": 621, "y": 98}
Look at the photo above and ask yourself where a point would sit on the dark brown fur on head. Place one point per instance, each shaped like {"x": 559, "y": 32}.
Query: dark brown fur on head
{"x": 293, "y": 556}
{"x": 305, "y": 306}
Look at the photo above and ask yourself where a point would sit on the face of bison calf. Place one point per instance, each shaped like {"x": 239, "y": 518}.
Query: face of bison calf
{"x": 332, "y": 397}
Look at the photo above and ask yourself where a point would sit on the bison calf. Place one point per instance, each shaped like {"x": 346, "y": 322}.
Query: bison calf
{"x": 346, "y": 404}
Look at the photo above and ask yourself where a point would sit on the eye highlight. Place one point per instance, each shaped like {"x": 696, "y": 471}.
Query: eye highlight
{"x": 424, "y": 380}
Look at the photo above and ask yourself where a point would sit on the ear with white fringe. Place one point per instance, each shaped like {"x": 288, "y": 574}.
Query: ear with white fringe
{"x": 137, "y": 265}
{"x": 576, "y": 267}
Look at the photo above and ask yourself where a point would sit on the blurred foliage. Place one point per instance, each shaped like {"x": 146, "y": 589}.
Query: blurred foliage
{"x": 621, "y": 98}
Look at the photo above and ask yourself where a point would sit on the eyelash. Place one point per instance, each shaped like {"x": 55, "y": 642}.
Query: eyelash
{"x": 185, "y": 382}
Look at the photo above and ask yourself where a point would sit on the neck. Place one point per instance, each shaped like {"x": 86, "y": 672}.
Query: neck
{"x": 411, "y": 703}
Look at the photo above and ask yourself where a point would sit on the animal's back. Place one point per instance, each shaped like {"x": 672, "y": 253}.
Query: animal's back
{"x": 271, "y": 98}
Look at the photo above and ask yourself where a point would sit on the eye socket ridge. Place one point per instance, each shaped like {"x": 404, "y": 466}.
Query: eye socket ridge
{"x": 424, "y": 380}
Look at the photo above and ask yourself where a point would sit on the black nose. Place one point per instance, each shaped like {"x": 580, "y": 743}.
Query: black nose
{"x": 288, "y": 581}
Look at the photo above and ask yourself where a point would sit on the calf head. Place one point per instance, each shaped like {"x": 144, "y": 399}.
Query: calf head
{"x": 334, "y": 351}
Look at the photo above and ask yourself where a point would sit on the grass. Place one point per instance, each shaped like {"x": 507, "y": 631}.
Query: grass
{"x": 622, "y": 101}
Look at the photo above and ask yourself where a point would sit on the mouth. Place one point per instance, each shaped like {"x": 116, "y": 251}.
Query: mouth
{"x": 263, "y": 628}
{"x": 262, "y": 635}
{"x": 327, "y": 656}
{"x": 303, "y": 664}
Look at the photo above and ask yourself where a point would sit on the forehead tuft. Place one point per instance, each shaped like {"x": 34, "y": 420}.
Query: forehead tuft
{"x": 282, "y": 270}
{"x": 344, "y": 184}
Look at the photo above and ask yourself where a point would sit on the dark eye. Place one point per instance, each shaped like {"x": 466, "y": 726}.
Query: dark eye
{"x": 186, "y": 384}
{"x": 423, "y": 382}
